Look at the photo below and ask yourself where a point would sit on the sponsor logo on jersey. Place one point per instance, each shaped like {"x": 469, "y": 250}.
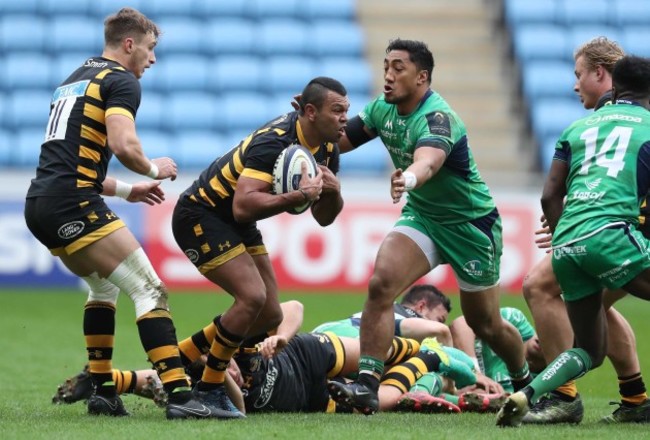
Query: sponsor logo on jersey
{"x": 70, "y": 90}
{"x": 92, "y": 63}
{"x": 70, "y": 230}
{"x": 615, "y": 117}
{"x": 389, "y": 125}
{"x": 267, "y": 386}
{"x": 617, "y": 272}
{"x": 439, "y": 124}
{"x": 473, "y": 268}
{"x": 192, "y": 254}
{"x": 588, "y": 196}
{"x": 570, "y": 250}
{"x": 593, "y": 184}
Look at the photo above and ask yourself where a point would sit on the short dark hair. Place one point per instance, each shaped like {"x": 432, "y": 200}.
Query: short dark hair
{"x": 419, "y": 53}
{"x": 128, "y": 22}
{"x": 427, "y": 292}
{"x": 631, "y": 75}
{"x": 316, "y": 90}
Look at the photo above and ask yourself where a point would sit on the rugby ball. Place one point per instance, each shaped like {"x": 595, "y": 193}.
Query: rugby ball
{"x": 287, "y": 172}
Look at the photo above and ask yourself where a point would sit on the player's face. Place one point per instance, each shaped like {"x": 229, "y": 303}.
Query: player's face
{"x": 589, "y": 85}
{"x": 401, "y": 77}
{"x": 332, "y": 117}
{"x": 143, "y": 55}
{"x": 438, "y": 313}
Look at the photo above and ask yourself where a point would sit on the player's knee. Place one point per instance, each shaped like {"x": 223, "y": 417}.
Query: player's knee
{"x": 538, "y": 285}
{"x": 380, "y": 291}
{"x": 101, "y": 290}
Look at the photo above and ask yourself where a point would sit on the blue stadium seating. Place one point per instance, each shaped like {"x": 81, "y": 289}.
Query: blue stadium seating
{"x": 551, "y": 116}
{"x": 27, "y": 146}
{"x": 236, "y": 73}
{"x": 630, "y": 12}
{"x": 6, "y": 145}
{"x": 64, "y": 8}
{"x": 370, "y": 159}
{"x": 22, "y": 32}
{"x": 338, "y": 9}
{"x": 28, "y": 108}
{"x": 180, "y": 35}
{"x": 65, "y": 63}
{"x": 179, "y": 73}
{"x": 353, "y": 72}
{"x": 263, "y": 9}
{"x": 289, "y": 73}
{"x": 335, "y": 38}
{"x": 243, "y": 111}
{"x": 26, "y": 71}
{"x": 74, "y": 33}
{"x": 522, "y": 12}
{"x": 635, "y": 40}
{"x": 22, "y": 6}
{"x": 579, "y": 35}
{"x": 357, "y": 102}
{"x": 547, "y": 79}
{"x": 540, "y": 41}
{"x": 156, "y": 143}
{"x": 284, "y": 36}
{"x": 101, "y": 9}
{"x": 151, "y": 114}
{"x": 222, "y": 9}
{"x": 198, "y": 149}
{"x": 546, "y": 152}
{"x": 223, "y": 67}
{"x": 223, "y": 36}
{"x": 192, "y": 110}
{"x": 583, "y": 12}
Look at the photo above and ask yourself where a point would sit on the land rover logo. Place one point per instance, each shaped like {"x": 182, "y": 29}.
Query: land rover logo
{"x": 70, "y": 230}
{"x": 193, "y": 255}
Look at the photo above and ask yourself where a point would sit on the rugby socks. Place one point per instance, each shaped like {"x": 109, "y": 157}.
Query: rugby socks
{"x": 520, "y": 378}
{"x": 125, "y": 381}
{"x": 99, "y": 332}
{"x": 401, "y": 349}
{"x": 198, "y": 344}
{"x": 404, "y": 375}
{"x": 632, "y": 390}
{"x": 223, "y": 348}
{"x": 567, "y": 391}
{"x": 158, "y": 337}
{"x": 569, "y": 365}
{"x": 370, "y": 371}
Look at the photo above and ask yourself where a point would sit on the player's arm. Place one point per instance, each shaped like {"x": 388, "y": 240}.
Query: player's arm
{"x": 149, "y": 192}
{"x": 419, "y": 328}
{"x": 253, "y": 199}
{"x": 292, "y": 312}
{"x": 356, "y": 133}
{"x": 554, "y": 192}
{"x": 124, "y": 143}
{"x": 427, "y": 161}
{"x": 330, "y": 203}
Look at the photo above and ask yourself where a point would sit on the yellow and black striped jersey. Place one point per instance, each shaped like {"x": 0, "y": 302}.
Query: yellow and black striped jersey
{"x": 74, "y": 155}
{"x": 253, "y": 157}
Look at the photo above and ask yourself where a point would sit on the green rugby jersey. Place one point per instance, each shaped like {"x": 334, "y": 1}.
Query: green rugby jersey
{"x": 608, "y": 154}
{"x": 457, "y": 193}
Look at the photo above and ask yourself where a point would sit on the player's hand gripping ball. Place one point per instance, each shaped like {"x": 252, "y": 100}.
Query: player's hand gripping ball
{"x": 287, "y": 172}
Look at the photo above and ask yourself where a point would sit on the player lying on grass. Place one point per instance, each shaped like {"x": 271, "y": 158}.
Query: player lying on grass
{"x": 477, "y": 397}
{"x": 290, "y": 374}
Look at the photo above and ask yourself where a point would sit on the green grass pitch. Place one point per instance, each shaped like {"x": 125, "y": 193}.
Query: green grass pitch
{"x": 42, "y": 343}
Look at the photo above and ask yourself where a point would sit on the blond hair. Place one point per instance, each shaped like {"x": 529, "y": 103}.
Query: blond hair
{"x": 600, "y": 51}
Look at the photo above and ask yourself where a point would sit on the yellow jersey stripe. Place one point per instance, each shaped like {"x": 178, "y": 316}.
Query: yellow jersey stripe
{"x": 95, "y": 113}
{"x": 93, "y": 135}
{"x": 119, "y": 111}
{"x": 87, "y": 172}
{"x": 89, "y": 153}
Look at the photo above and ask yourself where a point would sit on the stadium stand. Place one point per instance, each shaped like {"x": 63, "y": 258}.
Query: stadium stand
{"x": 223, "y": 67}
{"x": 545, "y": 33}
